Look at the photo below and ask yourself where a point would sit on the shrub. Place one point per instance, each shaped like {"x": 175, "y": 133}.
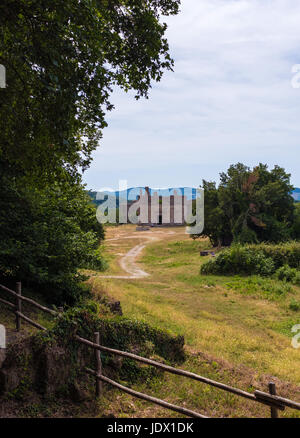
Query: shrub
{"x": 294, "y": 305}
{"x": 288, "y": 274}
{"x": 239, "y": 260}
{"x": 117, "y": 332}
{"x": 262, "y": 259}
{"x": 282, "y": 254}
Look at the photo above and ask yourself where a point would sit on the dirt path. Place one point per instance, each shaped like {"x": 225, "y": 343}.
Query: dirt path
{"x": 128, "y": 261}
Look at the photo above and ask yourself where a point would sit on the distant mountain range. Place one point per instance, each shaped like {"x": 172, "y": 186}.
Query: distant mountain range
{"x": 133, "y": 192}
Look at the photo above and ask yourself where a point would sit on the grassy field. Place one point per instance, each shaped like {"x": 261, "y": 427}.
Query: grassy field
{"x": 237, "y": 329}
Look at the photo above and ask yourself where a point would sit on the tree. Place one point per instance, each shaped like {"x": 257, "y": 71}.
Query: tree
{"x": 296, "y": 225}
{"x": 63, "y": 58}
{"x": 46, "y": 236}
{"x": 249, "y": 206}
{"x": 214, "y": 217}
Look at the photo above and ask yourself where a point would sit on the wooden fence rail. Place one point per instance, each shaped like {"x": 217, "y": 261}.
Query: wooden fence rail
{"x": 275, "y": 402}
{"x": 155, "y": 400}
{"x": 270, "y": 399}
{"x": 170, "y": 369}
{"x": 19, "y": 296}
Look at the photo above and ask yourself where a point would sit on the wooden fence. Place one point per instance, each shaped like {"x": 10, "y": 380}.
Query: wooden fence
{"x": 271, "y": 399}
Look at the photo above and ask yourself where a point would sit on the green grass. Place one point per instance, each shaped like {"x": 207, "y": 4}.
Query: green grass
{"x": 242, "y": 320}
{"x": 237, "y": 329}
{"x": 260, "y": 287}
{"x": 192, "y": 395}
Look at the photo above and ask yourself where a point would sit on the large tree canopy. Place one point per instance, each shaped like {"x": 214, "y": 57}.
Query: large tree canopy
{"x": 250, "y": 205}
{"x": 46, "y": 235}
{"x": 62, "y": 59}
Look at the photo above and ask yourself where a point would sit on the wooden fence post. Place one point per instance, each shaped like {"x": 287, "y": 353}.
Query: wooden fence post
{"x": 99, "y": 385}
{"x": 272, "y": 391}
{"x": 18, "y": 306}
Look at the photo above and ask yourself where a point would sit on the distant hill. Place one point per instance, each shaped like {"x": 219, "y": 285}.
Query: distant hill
{"x": 133, "y": 192}
{"x": 296, "y": 195}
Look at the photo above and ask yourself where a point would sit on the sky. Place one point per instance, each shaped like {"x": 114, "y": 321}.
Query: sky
{"x": 230, "y": 99}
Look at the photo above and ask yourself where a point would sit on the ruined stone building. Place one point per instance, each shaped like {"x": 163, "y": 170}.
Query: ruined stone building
{"x": 155, "y": 210}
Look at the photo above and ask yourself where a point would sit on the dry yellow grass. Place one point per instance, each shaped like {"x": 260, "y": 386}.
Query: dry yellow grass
{"x": 233, "y": 334}
{"x": 242, "y": 329}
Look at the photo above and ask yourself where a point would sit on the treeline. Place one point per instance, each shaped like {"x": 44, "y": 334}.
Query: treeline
{"x": 251, "y": 206}
{"x": 62, "y": 59}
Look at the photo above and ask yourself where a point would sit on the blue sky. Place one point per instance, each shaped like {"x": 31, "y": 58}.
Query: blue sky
{"x": 229, "y": 99}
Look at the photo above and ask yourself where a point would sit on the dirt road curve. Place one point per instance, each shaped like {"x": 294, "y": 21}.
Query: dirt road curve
{"x": 128, "y": 260}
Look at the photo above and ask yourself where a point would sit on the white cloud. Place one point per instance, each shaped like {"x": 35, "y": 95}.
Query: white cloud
{"x": 230, "y": 99}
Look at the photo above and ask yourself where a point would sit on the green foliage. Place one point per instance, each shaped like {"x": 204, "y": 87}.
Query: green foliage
{"x": 184, "y": 247}
{"x": 35, "y": 362}
{"x": 259, "y": 287}
{"x": 283, "y": 260}
{"x": 249, "y": 206}
{"x": 46, "y": 236}
{"x": 288, "y": 274}
{"x": 287, "y": 253}
{"x": 63, "y": 58}
{"x": 294, "y": 305}
{"x": 296, "y": 225}
{"x": 239, "y": 260}
{"x": 117, "y": 332}
{"x": 216, "y": 225}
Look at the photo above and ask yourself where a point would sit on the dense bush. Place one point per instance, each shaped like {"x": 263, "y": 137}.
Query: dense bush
{"x": 239, "y": 260}
{"x": 288, "y": 274}
{"x": 47, "y": 235}
{"x": 296, "y": 225}
{"x": 260, "y": 259}
{"x": 119, "y": 332}
{"x": 287, "y": 253}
